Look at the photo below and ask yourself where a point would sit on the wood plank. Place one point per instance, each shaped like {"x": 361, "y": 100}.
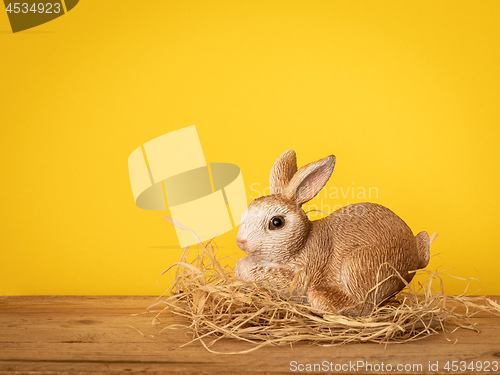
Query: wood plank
{"x": 99, "y": 334}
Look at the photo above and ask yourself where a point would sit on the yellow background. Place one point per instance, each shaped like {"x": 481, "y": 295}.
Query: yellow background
{"x": 405, "y": 94}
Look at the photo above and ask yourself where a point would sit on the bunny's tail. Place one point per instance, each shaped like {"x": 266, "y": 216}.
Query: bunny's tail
{"x": 423, "y": 245}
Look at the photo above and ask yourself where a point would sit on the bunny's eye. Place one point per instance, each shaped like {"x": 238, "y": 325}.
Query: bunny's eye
{"x": 276, "y": 222}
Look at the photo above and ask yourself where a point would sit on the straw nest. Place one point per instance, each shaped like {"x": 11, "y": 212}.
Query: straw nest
{"x": 219, "y": 306}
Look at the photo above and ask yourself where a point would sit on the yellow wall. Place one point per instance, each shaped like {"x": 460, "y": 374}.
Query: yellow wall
{"x": 405, "y": 94}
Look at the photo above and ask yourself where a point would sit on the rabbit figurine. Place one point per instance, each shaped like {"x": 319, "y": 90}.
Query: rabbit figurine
{"x": 348, "y": 262}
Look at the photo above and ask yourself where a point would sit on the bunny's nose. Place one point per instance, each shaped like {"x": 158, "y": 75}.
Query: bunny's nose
{"x": 242, "y": 244}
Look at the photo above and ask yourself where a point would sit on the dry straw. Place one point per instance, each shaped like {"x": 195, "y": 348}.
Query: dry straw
{"x": 219, "y": 306}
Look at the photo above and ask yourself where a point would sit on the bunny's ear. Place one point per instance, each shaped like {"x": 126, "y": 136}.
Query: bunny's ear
{"x": 282, "y": 171}
{"x": 309, "y": 180}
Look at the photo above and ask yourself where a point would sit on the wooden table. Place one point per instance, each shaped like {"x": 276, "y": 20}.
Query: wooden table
{"x": 58, "y": 334}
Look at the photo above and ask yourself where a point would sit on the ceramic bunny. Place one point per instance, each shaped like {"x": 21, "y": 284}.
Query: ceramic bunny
{"x": 347, "y": 262}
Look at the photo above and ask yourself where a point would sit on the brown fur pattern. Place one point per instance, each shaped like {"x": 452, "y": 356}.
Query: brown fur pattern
{"x": 349, "y": 261}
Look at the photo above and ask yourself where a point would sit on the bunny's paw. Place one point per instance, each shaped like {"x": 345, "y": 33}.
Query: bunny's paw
{"x": 242, "y": 269}
{"x": 333, "y": 299}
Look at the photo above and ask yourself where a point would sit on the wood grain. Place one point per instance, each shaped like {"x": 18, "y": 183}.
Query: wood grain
{"x": 69, "y": 334}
